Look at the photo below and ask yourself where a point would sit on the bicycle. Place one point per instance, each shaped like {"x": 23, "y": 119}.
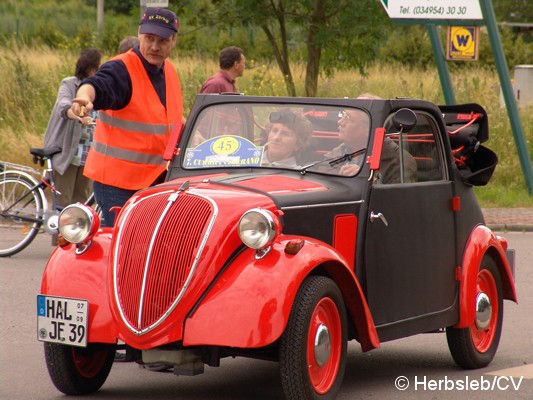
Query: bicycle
{"x": 23, "y": 202}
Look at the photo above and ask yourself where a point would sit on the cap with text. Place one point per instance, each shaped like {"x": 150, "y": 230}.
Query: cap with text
{"x": 160, "y": 22}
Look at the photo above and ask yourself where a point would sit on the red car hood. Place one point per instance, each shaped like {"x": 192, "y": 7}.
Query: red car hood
{"x": 169, "y": 244}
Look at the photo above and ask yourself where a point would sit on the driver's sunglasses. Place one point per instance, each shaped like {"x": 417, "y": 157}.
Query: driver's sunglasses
{"x": 344, "y": 114}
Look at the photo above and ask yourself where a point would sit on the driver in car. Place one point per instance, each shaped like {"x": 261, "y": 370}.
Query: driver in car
{"x": 353, "y": 133}
{"x": 354, "y": 127}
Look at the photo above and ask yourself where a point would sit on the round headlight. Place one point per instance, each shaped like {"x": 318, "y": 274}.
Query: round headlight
{"x": 258, "y": 228}
{"x": 78, "y": 223}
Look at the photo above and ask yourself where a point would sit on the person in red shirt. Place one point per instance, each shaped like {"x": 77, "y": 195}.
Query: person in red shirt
{"x": 226, "y": 120}
{"x": 232, "y": 63}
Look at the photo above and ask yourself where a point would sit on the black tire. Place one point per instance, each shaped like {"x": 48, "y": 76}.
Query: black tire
{"x": 16, "y": 233}
{"x": 475, "y": 347}
{"x": 77, "y": 370}
{"x": 308, "y": 372}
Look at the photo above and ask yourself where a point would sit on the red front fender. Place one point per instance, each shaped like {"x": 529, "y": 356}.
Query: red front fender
{"x": 84, "y": 277}
{"x": 482, "y": 241}
{"x": 249, "y": 305}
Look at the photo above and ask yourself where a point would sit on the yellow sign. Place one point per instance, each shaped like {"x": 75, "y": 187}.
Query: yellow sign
{"x": 225, "y": 145}
{"x": 463, "y": 43}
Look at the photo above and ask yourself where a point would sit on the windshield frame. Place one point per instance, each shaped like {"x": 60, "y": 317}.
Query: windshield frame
{"x": 248, "y": 142}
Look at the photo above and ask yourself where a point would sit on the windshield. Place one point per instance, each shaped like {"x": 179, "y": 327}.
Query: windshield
{"x": 291, "y": 136}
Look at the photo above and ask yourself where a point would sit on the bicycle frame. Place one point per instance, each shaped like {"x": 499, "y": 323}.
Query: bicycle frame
{"x": 38, "y": 186}
{"x": 29, "y": 191}
{"x": 47, "y": 181}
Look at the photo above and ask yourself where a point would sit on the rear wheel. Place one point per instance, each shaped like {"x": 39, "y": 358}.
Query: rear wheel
{"x": 76, "y": 370}
{"x": 21, "y": 213}
{"x": 313, "y": 346}
{"x": 476, "y": 345}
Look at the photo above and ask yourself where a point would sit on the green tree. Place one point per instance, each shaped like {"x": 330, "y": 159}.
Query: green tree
{"x": 518, "y": 11}
{"x": 338, "y": 34}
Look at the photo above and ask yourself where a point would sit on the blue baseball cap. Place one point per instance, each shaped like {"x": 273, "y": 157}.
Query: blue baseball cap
{"x": 160, "y": 22}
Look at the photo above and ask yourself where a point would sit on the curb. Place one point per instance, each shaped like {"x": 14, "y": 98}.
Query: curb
{"x": 510, "y": 227}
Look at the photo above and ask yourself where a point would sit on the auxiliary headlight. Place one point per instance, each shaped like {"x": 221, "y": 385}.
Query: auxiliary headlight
{"x": 78, "y": 223}
{"x": 258, "y": 228}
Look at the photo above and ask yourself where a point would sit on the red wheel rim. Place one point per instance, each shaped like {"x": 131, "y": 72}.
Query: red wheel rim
{"x": 483, "y": 338}
{"x": 89, "y": 363}
{"x": 325, "y": 314}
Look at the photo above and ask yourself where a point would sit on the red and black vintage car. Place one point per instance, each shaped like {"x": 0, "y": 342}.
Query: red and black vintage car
{"x": 276, "y": 235}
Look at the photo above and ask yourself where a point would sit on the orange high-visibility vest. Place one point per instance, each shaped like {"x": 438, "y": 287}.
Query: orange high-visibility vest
{"x": 128, "y": 146}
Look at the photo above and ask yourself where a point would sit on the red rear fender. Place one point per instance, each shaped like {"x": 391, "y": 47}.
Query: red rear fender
{"x": 482, "y": 241}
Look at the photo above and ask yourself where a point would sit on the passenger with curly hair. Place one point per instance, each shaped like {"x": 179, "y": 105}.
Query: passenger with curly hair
{"x": 288, "y": 135}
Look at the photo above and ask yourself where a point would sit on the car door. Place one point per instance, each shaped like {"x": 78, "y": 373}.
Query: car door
{"x": 410, "y": 235}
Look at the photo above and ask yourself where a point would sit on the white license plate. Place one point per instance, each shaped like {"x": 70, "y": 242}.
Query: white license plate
{"x": 62, "y": 320}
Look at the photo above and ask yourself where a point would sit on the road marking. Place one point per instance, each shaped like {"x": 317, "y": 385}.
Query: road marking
{"x": 525, "y": 370}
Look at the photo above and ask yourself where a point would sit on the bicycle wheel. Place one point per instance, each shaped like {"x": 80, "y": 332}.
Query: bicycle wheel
{"x": 21, "y": 213}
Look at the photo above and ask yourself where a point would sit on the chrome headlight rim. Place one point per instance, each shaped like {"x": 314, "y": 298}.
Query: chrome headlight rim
{"x": 78, "y": 223}
{"x": 258, "y": 228}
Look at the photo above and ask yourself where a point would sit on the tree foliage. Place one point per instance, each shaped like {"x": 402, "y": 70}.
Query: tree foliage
{"x": 518, "y": 11}
{"x": 336, "y": 34}
{"x": 323, "y": 35}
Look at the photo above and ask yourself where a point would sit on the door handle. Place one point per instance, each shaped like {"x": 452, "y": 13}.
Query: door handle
{"x": 374, "y": 217}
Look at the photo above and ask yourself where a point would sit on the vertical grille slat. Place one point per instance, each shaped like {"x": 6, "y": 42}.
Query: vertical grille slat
{"x": 175, "y": 248}
{"x": 131, "y": 258}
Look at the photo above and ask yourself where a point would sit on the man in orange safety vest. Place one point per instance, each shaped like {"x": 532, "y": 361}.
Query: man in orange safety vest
{"x": 139, "y": 97}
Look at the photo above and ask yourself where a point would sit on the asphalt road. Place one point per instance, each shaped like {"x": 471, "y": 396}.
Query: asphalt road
{"x": 422, "y": 361}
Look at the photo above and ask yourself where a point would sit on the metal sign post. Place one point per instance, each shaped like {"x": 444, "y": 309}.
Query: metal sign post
{"x": 442, "y": 67}
{"x": 465, "y": 12}
{"x": 100, "y": 15}
{"x": 507, "y": 90}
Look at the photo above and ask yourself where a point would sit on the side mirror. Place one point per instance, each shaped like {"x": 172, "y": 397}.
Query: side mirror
{"x": 404, "y": 120}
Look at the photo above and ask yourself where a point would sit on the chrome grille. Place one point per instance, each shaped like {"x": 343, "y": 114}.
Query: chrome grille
{"x": 156, "y": 252}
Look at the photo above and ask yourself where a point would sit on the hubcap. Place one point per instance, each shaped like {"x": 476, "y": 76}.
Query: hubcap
{"x": 483, "y": 310}
{"x": 322, "y": 345}
{"x": 485, "y": 326}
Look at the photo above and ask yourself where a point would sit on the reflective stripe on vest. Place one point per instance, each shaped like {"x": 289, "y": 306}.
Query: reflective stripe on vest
{"x": 128, "y": 155}
{"x": 129, "y": 144}
{"x": 157, "y": 129}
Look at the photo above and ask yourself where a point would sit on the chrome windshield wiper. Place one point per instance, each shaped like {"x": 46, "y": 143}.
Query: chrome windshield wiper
{"x": 332, "y": 161}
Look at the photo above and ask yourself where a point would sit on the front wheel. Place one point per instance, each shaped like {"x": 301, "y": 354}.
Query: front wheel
{"x": 21, "y": 213}
{"x": 76, "y": 370}
{"x": 475, "y": 346}
{"x": 313, "y": 346}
